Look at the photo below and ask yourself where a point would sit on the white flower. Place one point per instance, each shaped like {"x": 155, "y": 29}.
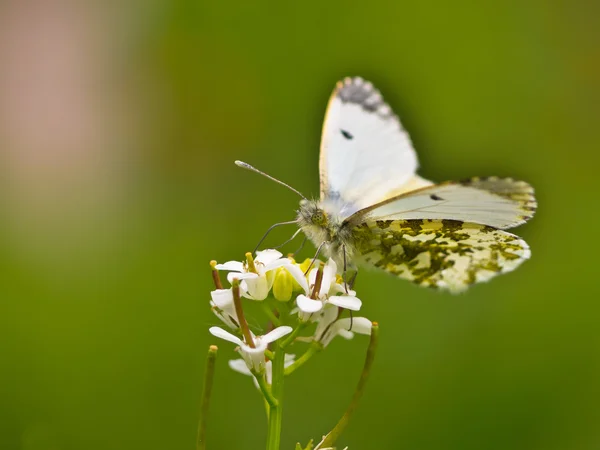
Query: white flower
{"x": 239, "y": 365}
{"x": 256, "y": 285}
{"x": 325, "y": 320}
{"x": 254, "y": 357}
{"x": 345, "y": 328}
{"x": 224, "y": 308}
{"x": 308, "y": 307}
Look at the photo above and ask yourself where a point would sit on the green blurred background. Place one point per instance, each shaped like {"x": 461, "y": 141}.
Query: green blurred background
{"x": 119, "y": 125}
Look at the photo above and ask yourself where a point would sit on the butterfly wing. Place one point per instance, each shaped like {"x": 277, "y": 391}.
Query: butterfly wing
{"x": 496, "y": 202}
{"x": 445, "y": 254}
{"x": 365, "y": 151}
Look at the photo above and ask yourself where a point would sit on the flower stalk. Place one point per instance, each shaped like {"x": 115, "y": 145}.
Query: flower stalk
{"x": 275, "y": 411}
{"x": 205, "y": 401}
{"x": 265, "y": 389}
{"x": 335, "y": 433}
{"x": 292, "y": 336}
{"x": 315, "y": 348}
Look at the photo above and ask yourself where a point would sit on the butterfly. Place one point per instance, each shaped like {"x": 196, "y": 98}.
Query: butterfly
{"x": 375, "y": 211}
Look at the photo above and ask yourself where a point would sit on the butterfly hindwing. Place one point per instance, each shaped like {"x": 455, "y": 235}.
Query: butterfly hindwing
{"x": 365, "y": 151}
{"x": 445, "y": 254}
{"x": 497, "y": 202}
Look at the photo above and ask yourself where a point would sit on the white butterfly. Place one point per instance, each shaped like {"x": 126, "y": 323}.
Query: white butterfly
{"x": 375, "y": 211}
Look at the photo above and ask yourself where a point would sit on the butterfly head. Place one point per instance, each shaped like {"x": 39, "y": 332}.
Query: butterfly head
{"x": 312, "y": 214}
{"x": 313, "y": 220}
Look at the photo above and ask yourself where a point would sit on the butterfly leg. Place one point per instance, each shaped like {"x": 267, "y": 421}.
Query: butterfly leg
{"x": 348, "y": 284}
{"x": 319, "y": 248}
{"x": 271, "y": 229}
{"x": 345, "y": 268}
{"x": 301, "y": 246}
{"x": 290, "y": 239}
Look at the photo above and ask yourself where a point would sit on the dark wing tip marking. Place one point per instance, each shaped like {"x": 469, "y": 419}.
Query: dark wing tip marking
{"x": 358, "y": 91}
{"x": 347, "y": 134}
{"x": 435, "y": 197}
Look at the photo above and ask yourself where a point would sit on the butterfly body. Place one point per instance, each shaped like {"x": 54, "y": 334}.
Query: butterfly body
{"x": 375, "y": 211}
{"x": 322, "y": 225}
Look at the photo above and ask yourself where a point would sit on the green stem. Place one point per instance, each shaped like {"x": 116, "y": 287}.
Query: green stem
{"x": 275, "y": 411}
{"x": 332, "y": 437}
{"x": 292, "y": 336}
{"x": 315, "y": 348}
{"x": 205, "y": 402}
{"x": 265, "y": 389}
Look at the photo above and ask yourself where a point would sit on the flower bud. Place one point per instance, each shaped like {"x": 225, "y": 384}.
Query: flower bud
{"x": 283, "y": 286}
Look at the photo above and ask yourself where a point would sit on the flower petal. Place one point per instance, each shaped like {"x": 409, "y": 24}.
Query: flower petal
{"x": 326, "y": 318}
{"x": 222, "y": 297}
{"x": 296, "y": 272}
{"x": 346, "y": 301}
{"x": 231, "y": 265}
{"x": 360, "y": 325}
{"x": 266, "y": 257}
{"x": 328, "y": 277}
{"x": 308, "y": 305}
{"x": 239, "y": 365}
{"x": 275, "y": 334}
{"x": 346, "y": 334}
{"x": 341, "y": 289}
{"x": 240, "y": 276}
{"x": 259, "y": 347}
{"x": 278, "y": 263}
{"x": 226, "y": 335}
{"x": 256, "y": 288}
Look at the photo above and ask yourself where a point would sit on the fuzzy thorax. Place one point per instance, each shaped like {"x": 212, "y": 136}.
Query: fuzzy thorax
{"x": 322, "y": 226}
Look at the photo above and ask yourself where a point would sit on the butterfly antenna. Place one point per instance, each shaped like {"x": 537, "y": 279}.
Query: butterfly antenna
{"x": 301, "y": 246}
{"x": 271, "y": 229}
{"x": 247, "y": 166}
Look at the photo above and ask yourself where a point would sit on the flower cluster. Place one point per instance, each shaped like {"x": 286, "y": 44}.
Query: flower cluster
{"x": 307, "y": 302}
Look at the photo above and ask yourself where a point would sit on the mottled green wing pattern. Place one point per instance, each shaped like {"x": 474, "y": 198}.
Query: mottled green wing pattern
{"x": 445, "y": 254}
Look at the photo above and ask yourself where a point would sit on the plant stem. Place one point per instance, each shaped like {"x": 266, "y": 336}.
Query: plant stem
{"x": 292, "y": 336}
{"x": 265, "y": 389}
{"x": 275, "y": 411}
{"x": 333, "y": 435}
{"x": 205, "y": 402}
{"x": 315, "y": 348}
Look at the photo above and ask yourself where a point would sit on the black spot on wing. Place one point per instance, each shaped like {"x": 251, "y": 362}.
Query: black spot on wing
{"x": 347, "y": 134}
{"x": 435, "y": 197}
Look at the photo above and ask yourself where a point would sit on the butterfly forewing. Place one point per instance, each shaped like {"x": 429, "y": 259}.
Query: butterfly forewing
{"x": 365, "y": 151}
{"x": 446, "y": 254}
